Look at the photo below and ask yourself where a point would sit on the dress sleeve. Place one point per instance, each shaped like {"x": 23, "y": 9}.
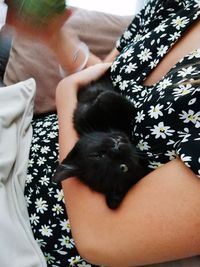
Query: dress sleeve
{"x": 188, "y": 150}
{"x": 134, "y": 30}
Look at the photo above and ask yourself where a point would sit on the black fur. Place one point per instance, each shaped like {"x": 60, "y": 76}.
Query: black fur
{"x": 103, "y": 158}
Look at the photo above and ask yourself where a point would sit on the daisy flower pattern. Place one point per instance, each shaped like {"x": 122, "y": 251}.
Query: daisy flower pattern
{"x": 45, "y": 200}
{"x": 165, "y": 124}
{"x": 145, "y": 55}
{"x": 161, "y": 130}
{"x": 155, "y": 111}
{"x": 167, "y": 117}
{"x": 191, "y": 116}
{"x": 179, "y": 22}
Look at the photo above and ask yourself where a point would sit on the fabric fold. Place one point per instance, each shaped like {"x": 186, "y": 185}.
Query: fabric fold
{"x": 17, "y": 245}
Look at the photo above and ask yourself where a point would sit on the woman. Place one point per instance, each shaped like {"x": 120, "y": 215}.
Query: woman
{"x": 159, "y": 218}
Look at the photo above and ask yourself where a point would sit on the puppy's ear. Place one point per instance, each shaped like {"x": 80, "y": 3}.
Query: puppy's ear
{"x": 68, "y": 167}
{"x": 64, "y": 171}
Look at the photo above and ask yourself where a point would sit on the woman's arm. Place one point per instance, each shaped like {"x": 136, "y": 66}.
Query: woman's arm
{"x": 159, "y": 218}
{"x": 66, "y": 100}
{"x": 112, "y": 55}
{"x": 72, "y": 54}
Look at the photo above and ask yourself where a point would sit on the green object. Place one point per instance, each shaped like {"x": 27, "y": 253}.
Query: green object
{"x": 39, "y": 11}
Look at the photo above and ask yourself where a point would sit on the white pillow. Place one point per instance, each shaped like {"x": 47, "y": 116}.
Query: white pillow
{"x": 17, "y": 245}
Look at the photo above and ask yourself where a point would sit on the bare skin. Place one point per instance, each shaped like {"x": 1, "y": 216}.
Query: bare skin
{"x": 159, "y": 216}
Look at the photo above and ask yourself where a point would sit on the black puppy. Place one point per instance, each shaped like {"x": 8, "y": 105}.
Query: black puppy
{"x": 104, "y": 157}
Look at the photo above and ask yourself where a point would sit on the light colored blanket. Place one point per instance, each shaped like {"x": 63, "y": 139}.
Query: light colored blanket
{"x": 17, "y": 245}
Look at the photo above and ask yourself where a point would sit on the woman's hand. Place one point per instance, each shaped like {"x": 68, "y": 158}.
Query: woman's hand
{"x": 84, "y": 77}
{"x": 66, "y": 91}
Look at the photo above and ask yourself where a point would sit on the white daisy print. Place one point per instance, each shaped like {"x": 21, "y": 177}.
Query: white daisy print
{"x": 154, "y": 164}
{"x": 41, "y": 161}
{"x": 84, "y": 264}
{"x": 154, "y": 63}
{"x": 47, "y": 124}
{"x": 192, "y": 101}
{"x": 179, "y": 22}
{"x": 74, "y": 260}
{"x": 160, "y": 28}
{"x": 39, "y": 123}
{"x": 29, "y": 178}
{"x": 49, "y": 259}
{"x": 184, "y": 135}
{"x": 155, "y": 111}
{"x": 59, "y": 195}
{"x": 143, "y": 145}
{"x": 28, "y": 201}
{"x": 164, "y": 84}
{"x": 41, "y": 242}
{"x": 130, "y": 67}
{"x": 30, "y": 163}
{"x": 161, "y": 130}
{"x": 114, "y": 65}
{"x": 186, "y": 159}
{"x": 65, "y": 225}
{"x": 197, "y": 124}
{"x": 127, "y": 34}
{"x": 42, "y": 133}
{"x": 128, "y": 53}
{"x": 41, "y": 205}
{"x": 45, "y": 149}
{"x": 195, "y": 54}
{"x": 34, "y": 219}
{"x": 137, "y": 37}
{"x": 123, "y": 85}
{"x": 173, "y": 37}
{"x": 162, "y": 50}
{"x": 140, "y": 116}
{"x": 183, "y": 89}
{"x": 58, "y": 209}
{"x": 66, "y": 241}
{"x": 145, "y": 55}
{"x": 52, "y": 134}
{"x": 118, "y": 78}
{"x": 44, "y": 180}
{"x": 186, "y": 71}
{"x": 197, "y": 3}
{"x": 171, "y": 154}
{"x": 190, "y": 116}
{"x": 46, "y": 230}
{"x": 35, "y": 147}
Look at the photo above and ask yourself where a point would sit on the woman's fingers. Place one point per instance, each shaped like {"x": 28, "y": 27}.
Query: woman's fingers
{"x": 89, "y": 74}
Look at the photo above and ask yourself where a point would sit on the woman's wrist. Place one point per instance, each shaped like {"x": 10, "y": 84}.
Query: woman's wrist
{"x": 71, "y": 53}
{"x": 83, "y": 49}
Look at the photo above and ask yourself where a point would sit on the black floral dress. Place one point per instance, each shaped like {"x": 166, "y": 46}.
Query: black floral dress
{"x": 166, "y": 124}
{"x": 167, "y": 121}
